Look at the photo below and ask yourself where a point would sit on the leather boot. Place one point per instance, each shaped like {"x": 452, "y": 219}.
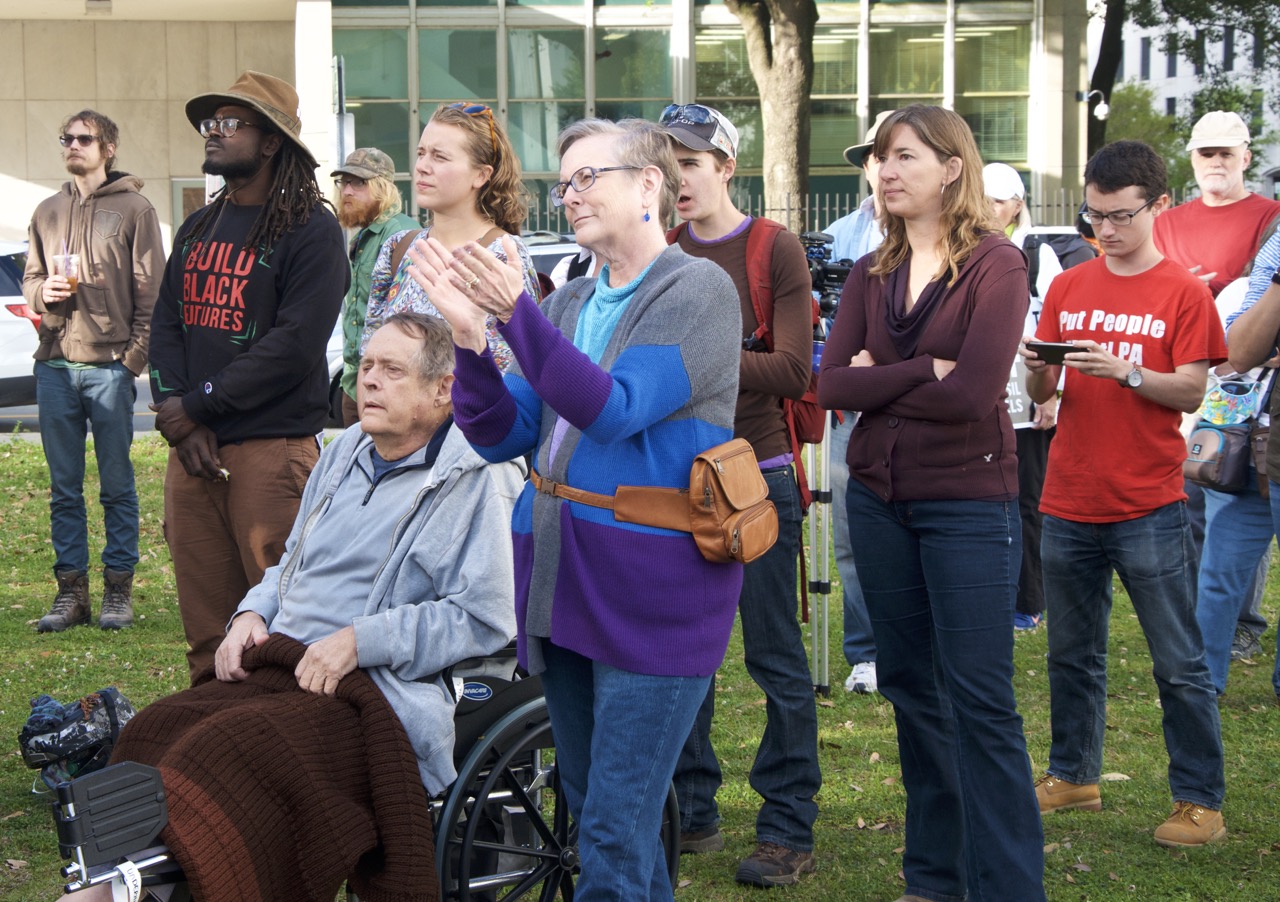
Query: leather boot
{"x": 117, "y": 600}
{"x": 70, "y": 606}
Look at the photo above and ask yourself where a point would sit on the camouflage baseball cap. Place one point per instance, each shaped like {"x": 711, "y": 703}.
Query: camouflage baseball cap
{"x": 367, "y": 163}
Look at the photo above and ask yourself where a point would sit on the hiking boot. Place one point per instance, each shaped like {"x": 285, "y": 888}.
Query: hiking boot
{"x": 1244, "y": 645}
{"x": 70, "y": 605}
{"x": 1191, "y": 825}
{"x": 1059, "y": 795}
{"x": 117, "y": 600}
{"x": 863, "y": 679}
{"x": 698, "y": 841}
{"x": 774, "y": 865}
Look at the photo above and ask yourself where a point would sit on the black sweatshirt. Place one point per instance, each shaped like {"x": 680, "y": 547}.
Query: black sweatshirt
{"x": 241, "y": 339}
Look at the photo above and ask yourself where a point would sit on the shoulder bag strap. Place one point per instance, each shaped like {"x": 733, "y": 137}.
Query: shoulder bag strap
{"x": 402, "y": 248}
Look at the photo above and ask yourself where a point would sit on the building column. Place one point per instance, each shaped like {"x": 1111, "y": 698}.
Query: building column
{"x": 313, "y": 77}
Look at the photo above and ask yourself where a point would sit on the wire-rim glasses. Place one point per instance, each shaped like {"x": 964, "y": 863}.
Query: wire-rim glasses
{"x": 1118, "y": 218}
{"x": 225, "y": 128}
{"x": 580, "y": 181}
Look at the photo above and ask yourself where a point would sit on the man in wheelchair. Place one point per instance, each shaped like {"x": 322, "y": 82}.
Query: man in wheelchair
{"x": 308, "y": 755}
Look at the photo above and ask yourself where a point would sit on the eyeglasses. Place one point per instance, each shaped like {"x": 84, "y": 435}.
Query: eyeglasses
{"x": 580, "y": 181}
{"x": 478, "y": 109}
{"x": 224, "y": 127}
{"x": 687, "y": 112}
{"x": 1119, "y": 218}
{"x": 343, "y": 181}
{"x": 82, "y": 140}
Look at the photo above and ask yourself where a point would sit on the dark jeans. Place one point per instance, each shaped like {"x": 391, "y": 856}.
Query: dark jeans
{"x": 103, "y": 396}
{"x": 939, "y": 579}
{"x": 1152, "y": 555}
{"x": 785, "y": 773}
{"x": 1033, "y": 460}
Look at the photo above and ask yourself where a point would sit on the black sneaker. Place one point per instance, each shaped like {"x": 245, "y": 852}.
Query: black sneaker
{"x": 1244, "y": 645}
{"x": 774, "y": 865}
{"x": 698, "y": 841}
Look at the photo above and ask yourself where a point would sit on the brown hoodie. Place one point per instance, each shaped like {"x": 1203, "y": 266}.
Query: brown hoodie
{"x": 116, "y": 232}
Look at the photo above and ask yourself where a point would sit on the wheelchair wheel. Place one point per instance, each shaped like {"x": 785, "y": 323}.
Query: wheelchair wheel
{"x": 504, "y": 831}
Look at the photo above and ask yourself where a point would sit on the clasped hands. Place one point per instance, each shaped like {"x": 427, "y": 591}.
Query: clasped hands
{"x": 467, "y": 285}
{"x": 196, "y": 445}
{"x": 321, "y": 669}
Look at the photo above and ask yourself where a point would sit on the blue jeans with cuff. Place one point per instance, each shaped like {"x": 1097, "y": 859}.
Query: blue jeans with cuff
{"x": 1152, "y": 556}
{"x": 103, "y": 396}
{"x": 786, "y": 772}
{"x": 617, "y": 737}
{"x": 940, "y": 579}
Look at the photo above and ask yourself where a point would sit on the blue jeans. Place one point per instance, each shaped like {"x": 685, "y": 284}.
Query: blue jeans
{"x": 1152, "y": 555}
{"x": 940, "y": 579}
{"x": 1275, "y": 519}
{"x": 1238, "y": 532}
{"x": 103, "y": 396}
{"x": 859, "y": 642}
{"x": 786, "y": 773}
{"x": 617, "y": 736}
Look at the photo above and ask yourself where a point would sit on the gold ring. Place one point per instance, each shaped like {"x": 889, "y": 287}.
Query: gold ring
{"x": 472, "y": 283}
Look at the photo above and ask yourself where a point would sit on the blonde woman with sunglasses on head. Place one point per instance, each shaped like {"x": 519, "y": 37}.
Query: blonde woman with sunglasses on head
{"x": 467, "y": 175}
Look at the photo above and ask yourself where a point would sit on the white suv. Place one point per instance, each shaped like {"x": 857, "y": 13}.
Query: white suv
{"x": 18, "y": 324}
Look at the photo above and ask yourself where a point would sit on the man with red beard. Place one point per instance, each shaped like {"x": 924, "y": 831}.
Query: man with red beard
{"x": 367, "y": 200}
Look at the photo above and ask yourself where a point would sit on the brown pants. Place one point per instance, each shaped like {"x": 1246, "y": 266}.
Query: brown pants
{"x": 224, "y": 535}
{"x": 350, "y": 414}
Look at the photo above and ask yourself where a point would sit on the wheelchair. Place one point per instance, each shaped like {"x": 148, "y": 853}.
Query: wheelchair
{"x": 502, "y": 829}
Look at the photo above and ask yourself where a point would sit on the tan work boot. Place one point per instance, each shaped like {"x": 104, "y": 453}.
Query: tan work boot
{"x": 1059, "y": 795}
{"x": 70, "y": 605}
{"x": 117, "y": 599}
{"x": 1191, "y": 825}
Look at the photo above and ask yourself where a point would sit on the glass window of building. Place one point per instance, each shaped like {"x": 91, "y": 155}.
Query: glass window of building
{"x": 456, "y": 64}
{"x": 993, "y": 88}
{"x": 725, "y": 82}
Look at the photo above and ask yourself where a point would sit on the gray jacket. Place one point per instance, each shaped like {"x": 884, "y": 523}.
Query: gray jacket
{"x": 443, "y": 593}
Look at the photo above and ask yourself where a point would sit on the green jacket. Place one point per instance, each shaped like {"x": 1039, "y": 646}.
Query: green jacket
{"x": 363, "y": 255}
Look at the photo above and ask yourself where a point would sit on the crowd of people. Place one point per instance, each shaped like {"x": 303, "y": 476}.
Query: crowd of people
{"x": 476, "y": 495}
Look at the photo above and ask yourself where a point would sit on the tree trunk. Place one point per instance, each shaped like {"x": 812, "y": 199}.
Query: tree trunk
{"x": 1103, "y": 79}
{"x": 779, "y": 39}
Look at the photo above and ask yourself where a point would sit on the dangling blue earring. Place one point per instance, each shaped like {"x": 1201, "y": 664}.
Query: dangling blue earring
{"x": 646, "y": 215}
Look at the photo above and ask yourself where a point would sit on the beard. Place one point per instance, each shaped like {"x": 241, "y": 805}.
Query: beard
{"x": 78, "y": 167}
{"x": 356, "y": 214}
{"x": 232, "y": 169}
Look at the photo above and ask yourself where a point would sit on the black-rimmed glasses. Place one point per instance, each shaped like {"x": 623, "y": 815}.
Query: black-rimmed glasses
{"x": 580, "y": 181}
{"x": 223, "y": 127}
{"x": 478, "y": 109}
{"x": 1118, "y": 218}
{"x": 343, "y": 181}
{"x": 82, "y": 140}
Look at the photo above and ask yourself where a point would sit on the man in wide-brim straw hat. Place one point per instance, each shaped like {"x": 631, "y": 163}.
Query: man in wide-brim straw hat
{"x": 238, "y": 368}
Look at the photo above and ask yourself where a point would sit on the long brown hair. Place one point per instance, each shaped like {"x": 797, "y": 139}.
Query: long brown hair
{"x": 502, "y": 198}
{"x": 965, "y": 214}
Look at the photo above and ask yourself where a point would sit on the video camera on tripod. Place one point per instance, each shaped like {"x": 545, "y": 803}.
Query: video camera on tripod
{"x": 828, "y": 275}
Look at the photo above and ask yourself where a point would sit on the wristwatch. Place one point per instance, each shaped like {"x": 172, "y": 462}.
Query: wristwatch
{"x": 1134, "y": 379}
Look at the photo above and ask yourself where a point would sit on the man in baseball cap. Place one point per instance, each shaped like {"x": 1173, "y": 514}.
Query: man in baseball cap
{"x": 1218, "y": 233}
{"x": 854, "y": 236}
{"x": 367, "y": 200}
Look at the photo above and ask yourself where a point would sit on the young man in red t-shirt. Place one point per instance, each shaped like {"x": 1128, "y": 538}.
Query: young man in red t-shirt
{"x": 1146, "y": 332}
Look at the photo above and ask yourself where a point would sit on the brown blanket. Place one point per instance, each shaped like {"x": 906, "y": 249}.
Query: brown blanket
{"x": 276, "y": 794}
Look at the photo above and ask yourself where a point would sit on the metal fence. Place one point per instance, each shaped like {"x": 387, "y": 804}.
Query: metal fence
{"x": 817, "y": 211}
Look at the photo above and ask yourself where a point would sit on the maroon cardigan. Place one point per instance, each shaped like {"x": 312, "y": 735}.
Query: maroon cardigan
{"x": 920, "y": 438}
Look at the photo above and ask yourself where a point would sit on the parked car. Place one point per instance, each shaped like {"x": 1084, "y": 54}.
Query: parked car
{"x": 333, "y": 351}
{"x": 547, "y": 249}
{"x": 18, "y": 325}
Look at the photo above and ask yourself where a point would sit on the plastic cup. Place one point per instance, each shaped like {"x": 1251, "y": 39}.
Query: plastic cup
{"x": 67, "y": 266}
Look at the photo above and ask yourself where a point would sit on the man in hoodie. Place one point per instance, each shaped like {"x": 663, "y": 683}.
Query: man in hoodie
{"x": 93, "y": 344}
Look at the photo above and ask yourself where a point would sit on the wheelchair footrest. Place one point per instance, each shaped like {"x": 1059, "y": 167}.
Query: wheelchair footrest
{"x": 105, "y": 815}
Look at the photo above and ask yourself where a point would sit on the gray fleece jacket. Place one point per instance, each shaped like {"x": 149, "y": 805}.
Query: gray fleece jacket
{"x": 444, "y": 591}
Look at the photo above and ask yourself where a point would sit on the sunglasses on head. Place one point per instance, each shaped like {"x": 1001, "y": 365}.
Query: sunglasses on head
{"x": 82, "y": 140}
{"x": 223, "y": 127}
{"x": 477, "y": 109}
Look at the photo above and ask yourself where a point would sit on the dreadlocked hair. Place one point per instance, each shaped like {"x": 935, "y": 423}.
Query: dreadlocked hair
{"x": 292, "y": 197}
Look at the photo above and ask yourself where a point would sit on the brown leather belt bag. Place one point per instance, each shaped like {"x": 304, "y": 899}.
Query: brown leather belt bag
{"x": 726, "y": 507}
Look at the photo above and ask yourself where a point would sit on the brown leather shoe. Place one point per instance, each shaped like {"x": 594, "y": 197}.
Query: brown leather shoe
{"x": 1059, "y": 795}
{"x": 1191, "y": 825}
{"x": 774, "y": 865}
{"x": 699, "y": 841}
{"x": 70, "y": 605}
{"x": 117, "y": 600}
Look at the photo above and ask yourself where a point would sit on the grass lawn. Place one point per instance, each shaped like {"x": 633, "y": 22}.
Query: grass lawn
{"x": 859, "y": 834}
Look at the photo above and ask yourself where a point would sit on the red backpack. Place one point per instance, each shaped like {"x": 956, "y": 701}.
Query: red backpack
{"x": 806, "y": 421}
